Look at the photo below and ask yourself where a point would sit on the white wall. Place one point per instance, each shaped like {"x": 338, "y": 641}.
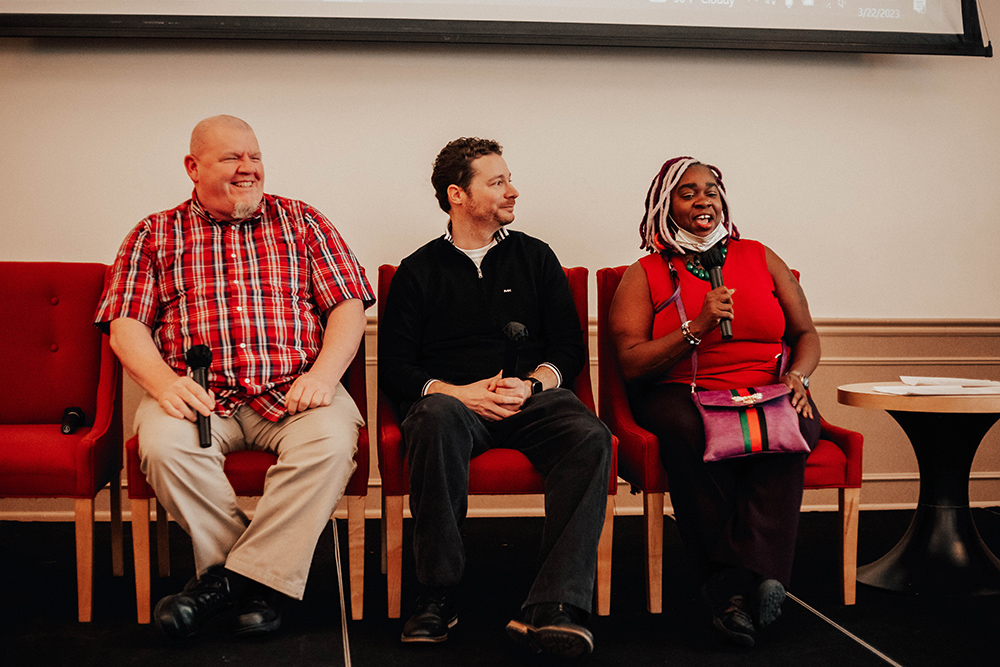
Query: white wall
{"x": 876, "y": 175}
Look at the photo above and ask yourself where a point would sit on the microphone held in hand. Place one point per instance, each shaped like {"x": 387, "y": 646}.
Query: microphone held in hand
{"x": 72, "y": 420}
{"x": 713, "y": 259}
{"x": 514, "y": 335}
{"x": 199, "y": 358}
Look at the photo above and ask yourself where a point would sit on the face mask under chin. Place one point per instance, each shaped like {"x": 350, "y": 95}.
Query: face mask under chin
{"x": 689, "y": 241}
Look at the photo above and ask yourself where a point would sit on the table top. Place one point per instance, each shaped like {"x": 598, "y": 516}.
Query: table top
{"x": 863, "y": 395}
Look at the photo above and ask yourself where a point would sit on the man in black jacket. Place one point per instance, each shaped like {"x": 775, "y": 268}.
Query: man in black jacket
{"x": 441, "y": 351}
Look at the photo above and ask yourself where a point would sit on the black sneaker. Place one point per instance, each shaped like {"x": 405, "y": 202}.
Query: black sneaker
{"x": 189, "y": 612}
{"x": 552, "y": 628}
{"x": 258, "y": 614}
{"x": 735, "y": 623}
{"x": 436, "y": 612}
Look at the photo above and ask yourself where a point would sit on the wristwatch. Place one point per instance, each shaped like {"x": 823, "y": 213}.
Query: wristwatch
{"x": 804, "y": 378}
{"x": 536, "y": 385}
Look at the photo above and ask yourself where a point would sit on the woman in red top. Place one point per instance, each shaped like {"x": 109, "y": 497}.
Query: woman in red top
{"x": 738, "y": 518}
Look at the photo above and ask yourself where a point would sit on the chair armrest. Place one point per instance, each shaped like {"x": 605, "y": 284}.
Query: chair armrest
{"x": 851, "y": 443}
{"x": 391, "y": 452}
{"x": 638, "y": 450}
{"x": 638, "y": 454}
{"x": 100, "y": 450}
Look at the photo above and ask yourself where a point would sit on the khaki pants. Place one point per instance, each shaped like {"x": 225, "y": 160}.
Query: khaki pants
{"x": 315, "y": 451}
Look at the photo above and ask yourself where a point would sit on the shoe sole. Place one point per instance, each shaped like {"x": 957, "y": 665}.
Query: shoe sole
{"x": 520, "y": 633}
{"x": 769, "y": 603}
{"x": 563, "y": 641}
{"x": 740, "y": 638}
{"x": 429, "y": 640}
{"x": 259, "y": 629}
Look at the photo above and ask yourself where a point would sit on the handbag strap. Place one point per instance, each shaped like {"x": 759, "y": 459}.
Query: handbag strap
{"x": 658, "y": 278}
{"x": 675, "y": 279}
{"x": 785, "y": 350}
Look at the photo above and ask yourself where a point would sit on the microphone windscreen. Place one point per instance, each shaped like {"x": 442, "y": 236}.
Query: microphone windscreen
{"x": 713, "y": 256}
{"x": 515, "y": 332}
{"x": 198, "y": 356}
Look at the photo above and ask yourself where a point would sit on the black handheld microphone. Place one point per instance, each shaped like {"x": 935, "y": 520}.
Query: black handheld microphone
{"x": 72, "y": 420}
{"x": 199, "y": 358}
{"x": 515, "y": 334}
{"x": 713, "y": 259}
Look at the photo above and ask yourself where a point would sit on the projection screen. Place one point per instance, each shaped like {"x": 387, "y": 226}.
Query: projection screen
{"x": 948, "y": 27}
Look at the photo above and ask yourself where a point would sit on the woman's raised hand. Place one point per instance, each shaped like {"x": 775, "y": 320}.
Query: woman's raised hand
{"x": 718, "y": 306}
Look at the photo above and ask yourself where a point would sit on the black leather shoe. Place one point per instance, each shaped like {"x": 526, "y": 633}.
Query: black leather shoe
{"x": 189, "y": 612}
{"x": 259, "y": 613}
{"x": 770, "y": 595}
{"x": 735, "y": 623}
{"x": 436, "y": 613}
{"x": 552, "y": 628}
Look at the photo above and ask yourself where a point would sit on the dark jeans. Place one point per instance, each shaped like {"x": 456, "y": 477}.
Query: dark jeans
{"x": 737, "y": 513}
{"x": 560, "y": 436}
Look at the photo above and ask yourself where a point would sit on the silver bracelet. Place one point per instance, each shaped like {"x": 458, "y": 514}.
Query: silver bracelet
{"x": 688, "y": 336}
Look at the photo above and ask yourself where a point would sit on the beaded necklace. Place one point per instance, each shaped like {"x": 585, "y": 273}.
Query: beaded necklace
{"x": 695, "y": 268}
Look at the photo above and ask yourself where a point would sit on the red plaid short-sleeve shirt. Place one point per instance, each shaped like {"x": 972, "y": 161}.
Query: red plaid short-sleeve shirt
{"x": 256, "y": 292}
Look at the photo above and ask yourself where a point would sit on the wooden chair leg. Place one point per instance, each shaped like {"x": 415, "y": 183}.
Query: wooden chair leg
{"x": 117, "y": 536}
{"x": 652, "y": 511}
{"x": 162, "y": 540}
{"x": 382, "y": 530}
{"x": 604, "y": 560}
{"x": 84, "y": 520}
{"x": 140, "y": 554}
{"x": 850, "y": 504}
{"x": 393, "y": 516}
{"x": 356, "y": 551}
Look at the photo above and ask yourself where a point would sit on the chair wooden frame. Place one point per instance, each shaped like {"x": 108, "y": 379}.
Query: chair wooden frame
{"x": 141, "y": 497}
{"x": 520, "y": 476}
{"x": 838, "y": 454}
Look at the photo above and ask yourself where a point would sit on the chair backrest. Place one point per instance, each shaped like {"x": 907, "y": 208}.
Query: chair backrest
{"x": 51, "y": 348}
{"x": 577, "y": 277}
{"x": 582, "y": 386}
{"x": 385, "y": 274}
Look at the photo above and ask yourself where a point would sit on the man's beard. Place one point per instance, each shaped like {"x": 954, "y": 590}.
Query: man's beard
{"x": 244, "y": 210}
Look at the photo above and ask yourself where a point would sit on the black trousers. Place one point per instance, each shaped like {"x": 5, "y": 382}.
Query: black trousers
{"x": 560, "y": 436}
{"x": 737, "y": 513}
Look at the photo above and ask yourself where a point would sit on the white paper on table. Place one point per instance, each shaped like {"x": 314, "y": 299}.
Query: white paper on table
{"x": 937, "y": 390}
{"x": 947, "y": 382}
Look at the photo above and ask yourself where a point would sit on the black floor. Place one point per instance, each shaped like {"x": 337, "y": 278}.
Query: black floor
{"x": 38, "y": 608}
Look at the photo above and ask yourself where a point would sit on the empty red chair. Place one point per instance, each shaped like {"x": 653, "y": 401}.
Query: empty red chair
{"x": 54, "y": 359}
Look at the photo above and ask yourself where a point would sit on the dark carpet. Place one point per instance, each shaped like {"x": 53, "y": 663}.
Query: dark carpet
{"x": 38, "y": 607}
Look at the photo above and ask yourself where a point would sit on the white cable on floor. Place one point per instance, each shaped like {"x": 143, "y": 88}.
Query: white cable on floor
{"x": 848, "y": 633}
{"x": 343, "y": 605}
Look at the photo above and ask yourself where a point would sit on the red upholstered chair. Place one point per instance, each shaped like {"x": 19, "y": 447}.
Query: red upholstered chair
{"x": 496, "y": 472}
{"x": 835, "y": 463}
{"x": 55, "y": 358}
{"x": 246, "y": 471}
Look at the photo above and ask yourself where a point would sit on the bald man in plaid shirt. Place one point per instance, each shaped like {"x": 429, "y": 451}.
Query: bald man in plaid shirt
{"x": 271, "y": 288}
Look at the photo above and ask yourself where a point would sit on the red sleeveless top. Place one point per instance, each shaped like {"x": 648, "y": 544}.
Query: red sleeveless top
{"x": 752, "y": 357}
